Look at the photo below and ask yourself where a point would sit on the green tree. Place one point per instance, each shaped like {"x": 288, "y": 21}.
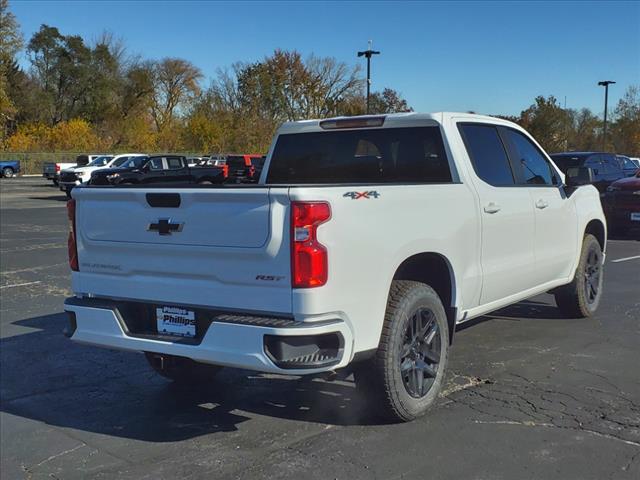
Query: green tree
{"x": 548, "y": 122}
{"x": 388, "y": 101}
{"x": 62, "y": 68}
{"x": 10, "y": 44}
{"x": 584, "y": 132}
{"x": 10, "y": 36}
{"x": 626, "y": 126}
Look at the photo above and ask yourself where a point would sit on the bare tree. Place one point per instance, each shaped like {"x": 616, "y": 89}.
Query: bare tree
{"x": 174, "y": 80}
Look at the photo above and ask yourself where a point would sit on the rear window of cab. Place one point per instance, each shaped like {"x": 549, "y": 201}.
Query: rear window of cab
{"x": 387, "y": 155}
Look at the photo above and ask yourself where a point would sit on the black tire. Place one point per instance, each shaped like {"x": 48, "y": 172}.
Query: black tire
{"x": 67, "y": 192}
{"x": 55, "y": 182}
{"x": 7, "y": 172}
{"x": 390, "y": 380}
{"x": 181, "y": 369}
{"x": 581, "y": 297}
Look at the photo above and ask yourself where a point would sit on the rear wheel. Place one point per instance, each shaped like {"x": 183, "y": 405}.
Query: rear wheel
{"x": 55, "y": 182}
{"x": 405, "y": 376}
{"x": 181, "y": 369}
{"x": 581, "y": 297}
{"x": 7, "y": 172}
{"x": 67, "y": 192}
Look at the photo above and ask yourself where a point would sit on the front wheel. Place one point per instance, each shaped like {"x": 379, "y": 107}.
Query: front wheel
{"x": 405, "y": 376}
{"x": 581, "y": 297}
{"x": 7, "y": 172}
{"x": 181, "y": 369}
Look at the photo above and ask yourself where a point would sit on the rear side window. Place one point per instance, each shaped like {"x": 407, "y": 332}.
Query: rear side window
{"x": 390, "y": 155}
{"x": 174, "y": 163}
{"x": 488, "y": 154}
{"x": 534, "y": 168}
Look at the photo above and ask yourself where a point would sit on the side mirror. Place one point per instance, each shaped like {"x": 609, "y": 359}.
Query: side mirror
{"x": 579, "y": 176}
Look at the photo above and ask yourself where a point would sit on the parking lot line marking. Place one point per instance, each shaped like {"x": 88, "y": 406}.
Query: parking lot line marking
{"x": 625, "y": 259}
{"x": 19, "y": 284}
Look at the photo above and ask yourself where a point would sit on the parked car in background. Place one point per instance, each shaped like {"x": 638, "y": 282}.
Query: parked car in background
{"x": 76, "y": 176}
{"x": 9, "y": 168}
{"x": 622, "y": 203}
{"x": 636, "y": 161}
{"x": 197, "y": 161}
{"x": 244, "y": 168}
{"x": 51, "y": 170}
{"x": 606, "y": 167}
{"x": 364, "y": 244}
{"x": 157, "y": 169}
{"x": 628, "y": 167}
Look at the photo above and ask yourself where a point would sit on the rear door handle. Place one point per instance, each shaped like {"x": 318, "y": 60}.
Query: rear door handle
{"x": 541, "y": 204}
{"x": 492, "y": 208}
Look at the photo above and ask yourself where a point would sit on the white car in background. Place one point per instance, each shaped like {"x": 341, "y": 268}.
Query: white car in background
{"x": 75, "y": 176}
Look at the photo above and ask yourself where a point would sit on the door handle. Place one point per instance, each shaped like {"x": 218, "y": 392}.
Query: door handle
{"x": 492, "y": 208}
{"x": 541, "y": 204}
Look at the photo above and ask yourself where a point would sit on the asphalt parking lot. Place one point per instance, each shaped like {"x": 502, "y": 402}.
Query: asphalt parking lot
{"x": 529, "y": 395}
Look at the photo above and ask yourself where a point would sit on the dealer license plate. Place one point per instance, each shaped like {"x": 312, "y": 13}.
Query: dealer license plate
{"x": 635, "y": 216}
{"x": 176, "y": 321}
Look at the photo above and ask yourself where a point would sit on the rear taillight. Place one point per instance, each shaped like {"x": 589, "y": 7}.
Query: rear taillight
{"x": 71, "y": 242}
{"x": 57, "y": 167}
{"x": 309, "y": 265}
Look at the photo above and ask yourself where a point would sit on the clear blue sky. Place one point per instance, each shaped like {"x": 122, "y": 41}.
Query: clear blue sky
{"x": 490, "y": 57}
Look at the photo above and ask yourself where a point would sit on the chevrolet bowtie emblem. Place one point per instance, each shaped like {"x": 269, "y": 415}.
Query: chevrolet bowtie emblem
{"x": 165, "y": 227}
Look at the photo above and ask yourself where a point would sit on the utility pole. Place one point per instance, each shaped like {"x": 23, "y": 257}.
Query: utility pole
{"x": 605, "y": 84}
{"x": 566, "y": 126}
{"x": 368, "y": 53}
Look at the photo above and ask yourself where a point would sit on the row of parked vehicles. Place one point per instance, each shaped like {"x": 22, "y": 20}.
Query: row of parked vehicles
{"x": 617, "y": 178}
{"x": 133, "y": 168}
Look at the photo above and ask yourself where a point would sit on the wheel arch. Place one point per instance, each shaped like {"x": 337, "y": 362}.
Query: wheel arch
{"x": 435, "y": 270}
{"x": 596, "y": 228}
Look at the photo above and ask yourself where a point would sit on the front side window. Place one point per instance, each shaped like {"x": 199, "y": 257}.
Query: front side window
{"x": 134, "y": 162}
{"x": 534, "y": 168}
{"x": 388, "y": 155}
{"x": 488, "y": 154}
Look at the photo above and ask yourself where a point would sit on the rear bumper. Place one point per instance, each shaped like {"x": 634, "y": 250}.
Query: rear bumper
{"x": 99, "y": 322}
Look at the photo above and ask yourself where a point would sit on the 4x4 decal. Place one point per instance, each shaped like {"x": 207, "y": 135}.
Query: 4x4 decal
{"x": 358, "y": 195}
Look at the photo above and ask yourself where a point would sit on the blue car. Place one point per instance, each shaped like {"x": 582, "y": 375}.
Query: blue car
{"x": 10, "y": 168}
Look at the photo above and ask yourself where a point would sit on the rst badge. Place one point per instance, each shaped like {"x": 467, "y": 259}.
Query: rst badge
{"x": 359, "y": 195}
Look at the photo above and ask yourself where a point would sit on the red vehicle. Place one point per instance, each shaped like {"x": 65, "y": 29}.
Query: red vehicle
{"x": 622, "y": 203}
{"x": 244, "y": 167}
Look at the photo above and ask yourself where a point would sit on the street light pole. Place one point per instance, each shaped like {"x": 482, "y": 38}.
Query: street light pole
{"x": 368, "y": 53}
{"x": 605, "y": 84}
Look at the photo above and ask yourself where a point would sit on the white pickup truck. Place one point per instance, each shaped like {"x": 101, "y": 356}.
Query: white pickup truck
{"x": 365, "y": 242}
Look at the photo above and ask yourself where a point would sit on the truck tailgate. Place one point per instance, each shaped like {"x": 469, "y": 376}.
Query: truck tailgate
{"x": 217, "y": 247}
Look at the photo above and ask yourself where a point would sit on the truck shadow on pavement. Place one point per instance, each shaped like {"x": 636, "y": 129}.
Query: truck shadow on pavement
{"x": 60, "y": 198}
{"x": 47, "y": 378}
